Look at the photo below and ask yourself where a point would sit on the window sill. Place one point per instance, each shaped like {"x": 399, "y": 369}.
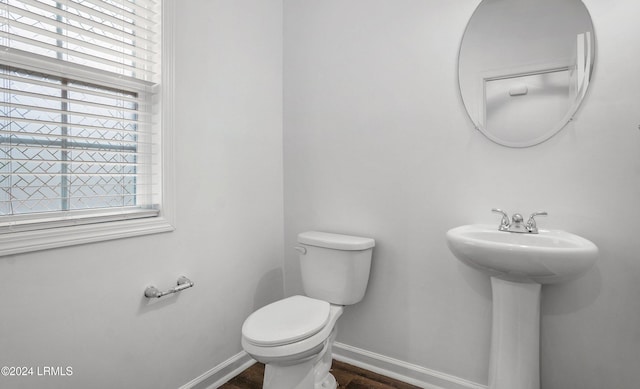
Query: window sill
{"x": 23, "y": 242}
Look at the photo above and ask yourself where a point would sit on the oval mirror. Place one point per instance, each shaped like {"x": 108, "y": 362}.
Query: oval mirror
{"x": 524, "y": 67}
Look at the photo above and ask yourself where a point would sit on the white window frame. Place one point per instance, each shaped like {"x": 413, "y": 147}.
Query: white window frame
{"x": 47, "y": 238}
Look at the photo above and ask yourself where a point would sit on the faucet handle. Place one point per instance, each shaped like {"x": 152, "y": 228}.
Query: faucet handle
{"x": 504, "y": 223}
{"x": 531, "y": 223}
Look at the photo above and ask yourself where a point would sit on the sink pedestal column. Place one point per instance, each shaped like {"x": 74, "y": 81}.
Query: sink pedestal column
{"x": 515, "y": 335}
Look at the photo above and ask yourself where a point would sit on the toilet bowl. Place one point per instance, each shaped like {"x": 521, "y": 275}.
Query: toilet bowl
{"x": 293, "y": 337}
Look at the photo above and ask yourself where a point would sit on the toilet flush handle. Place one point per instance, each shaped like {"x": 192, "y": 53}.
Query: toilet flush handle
{"x": 301, "y": 250}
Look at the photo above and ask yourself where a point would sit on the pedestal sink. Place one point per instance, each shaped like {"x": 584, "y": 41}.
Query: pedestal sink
{"x": 518, "y": 264}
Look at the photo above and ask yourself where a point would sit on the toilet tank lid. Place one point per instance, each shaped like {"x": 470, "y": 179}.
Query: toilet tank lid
{"x": 335, "y": 241}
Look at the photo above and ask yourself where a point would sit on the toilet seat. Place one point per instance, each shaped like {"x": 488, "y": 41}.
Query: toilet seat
{"x": 286, "y": 321}
{"x": 297, "y": 350}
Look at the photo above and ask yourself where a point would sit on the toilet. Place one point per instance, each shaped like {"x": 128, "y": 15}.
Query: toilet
{"x": 293, "y": 336}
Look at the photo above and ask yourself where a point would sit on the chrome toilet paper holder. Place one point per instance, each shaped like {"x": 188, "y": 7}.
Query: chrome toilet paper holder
{"x": 153, "y": 292}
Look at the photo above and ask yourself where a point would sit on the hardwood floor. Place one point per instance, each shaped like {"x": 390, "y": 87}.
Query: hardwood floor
{"x": 348, "y": 377}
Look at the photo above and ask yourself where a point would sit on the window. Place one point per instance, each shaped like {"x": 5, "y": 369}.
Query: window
{"x": 81, "y": 86}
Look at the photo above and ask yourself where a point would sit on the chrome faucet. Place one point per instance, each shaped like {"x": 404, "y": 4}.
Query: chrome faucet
{"x": 517, "y": 222}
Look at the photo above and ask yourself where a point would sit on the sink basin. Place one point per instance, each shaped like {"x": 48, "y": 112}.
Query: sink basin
{"x": 519, "y": 263}
{"x": 547, "y": 257}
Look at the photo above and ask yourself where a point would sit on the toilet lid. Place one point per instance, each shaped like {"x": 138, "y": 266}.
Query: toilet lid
{"x": 286, "y": 321}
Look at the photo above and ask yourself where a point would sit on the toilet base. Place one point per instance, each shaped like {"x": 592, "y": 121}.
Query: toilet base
{"x": 329, "y": 383}
{"x": 309, "y": 373}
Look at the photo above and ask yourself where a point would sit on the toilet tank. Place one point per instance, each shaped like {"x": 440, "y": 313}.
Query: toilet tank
{"x": 335, "y": 268}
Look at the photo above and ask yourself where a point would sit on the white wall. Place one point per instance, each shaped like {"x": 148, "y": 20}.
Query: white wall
{"x": 377, "y": 143}
{"x": 83, "y": 306}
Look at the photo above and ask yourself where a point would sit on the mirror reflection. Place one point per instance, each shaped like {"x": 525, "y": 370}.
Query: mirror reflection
{"x": 524, "y": 67}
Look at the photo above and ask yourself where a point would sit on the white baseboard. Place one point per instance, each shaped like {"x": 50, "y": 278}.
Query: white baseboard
{"x": 222, "y": 373}
{"x": 377, "y": 363}
{"x": 400, "y": 370}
